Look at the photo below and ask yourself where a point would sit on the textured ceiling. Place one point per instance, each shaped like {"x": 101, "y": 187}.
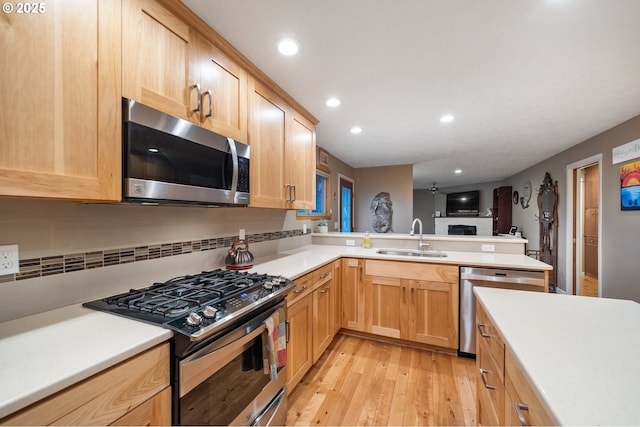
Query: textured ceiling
{"x": 524, "y": 79}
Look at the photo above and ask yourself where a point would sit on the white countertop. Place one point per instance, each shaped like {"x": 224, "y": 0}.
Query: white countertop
{"x": 447, "y": 237}
{"x": 44, "y": 353}
{"x": 300, "y": 261}
{"x": 47, "y": 352}
{"x": 580, "y": 353}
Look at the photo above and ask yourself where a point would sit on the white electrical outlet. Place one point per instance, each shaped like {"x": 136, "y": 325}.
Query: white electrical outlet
{"x": 241, "y": 234}
{"x": 488, "y": 248}
{"x": 350, "y": 242}
{"x": 9, "y": 259}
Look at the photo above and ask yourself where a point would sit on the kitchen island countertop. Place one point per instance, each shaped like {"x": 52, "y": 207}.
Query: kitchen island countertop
{"x": 579, "y": 353}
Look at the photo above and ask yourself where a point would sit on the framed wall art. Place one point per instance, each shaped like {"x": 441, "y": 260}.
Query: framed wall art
{"x": 630, "y": 186}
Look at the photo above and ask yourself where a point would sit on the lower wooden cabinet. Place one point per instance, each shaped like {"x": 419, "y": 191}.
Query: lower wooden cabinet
{"x": 352, "y": 283}
{"x": 412, "y": 301}
{"x": 523, "y": 406}
{"x": 134, "y": 392}
{"x": 504, "y": 394}
{"x": 299, "y": 344}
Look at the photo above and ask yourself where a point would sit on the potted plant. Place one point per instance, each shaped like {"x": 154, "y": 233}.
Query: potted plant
{"x": 322, "y": 226}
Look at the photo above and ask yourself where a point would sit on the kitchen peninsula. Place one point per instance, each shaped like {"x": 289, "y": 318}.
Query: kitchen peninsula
{"x": 578, "y": 356}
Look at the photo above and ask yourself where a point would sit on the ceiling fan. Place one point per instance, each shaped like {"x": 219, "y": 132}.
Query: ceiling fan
{"x": 433, "y": 189}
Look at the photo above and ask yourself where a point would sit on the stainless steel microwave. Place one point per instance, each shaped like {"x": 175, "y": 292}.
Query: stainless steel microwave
{"x": 170, "y": 160}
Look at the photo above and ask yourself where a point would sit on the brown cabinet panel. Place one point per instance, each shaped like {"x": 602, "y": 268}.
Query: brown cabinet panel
{"x": 353, "y": 314}
{"x": 60, "y": 125}
{"x": 502, "y": 200}
{"x": 299, "y": 343}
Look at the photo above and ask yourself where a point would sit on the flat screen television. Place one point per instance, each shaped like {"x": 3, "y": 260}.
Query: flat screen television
{"x": 466, "y": 203}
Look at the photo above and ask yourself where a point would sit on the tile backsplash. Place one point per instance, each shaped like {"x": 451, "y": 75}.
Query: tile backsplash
{"x": 73, "y": 252}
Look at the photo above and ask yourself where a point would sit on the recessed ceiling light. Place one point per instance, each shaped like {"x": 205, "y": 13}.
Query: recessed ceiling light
{"x": 457, "y": 171}
{"x": 356, "y": 129}
{"x": 288, "y": 46}
{"x": 447, "y": 118}
{"x": 333, "y": 102}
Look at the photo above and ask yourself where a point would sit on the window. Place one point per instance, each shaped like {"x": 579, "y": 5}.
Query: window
{"x": 323, "y": 204}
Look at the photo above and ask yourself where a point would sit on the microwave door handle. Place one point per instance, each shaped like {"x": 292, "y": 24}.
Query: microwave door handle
{"x": 234, "y": 179}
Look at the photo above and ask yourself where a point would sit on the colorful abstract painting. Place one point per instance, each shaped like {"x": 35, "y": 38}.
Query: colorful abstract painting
{"x": 630, "y": 186}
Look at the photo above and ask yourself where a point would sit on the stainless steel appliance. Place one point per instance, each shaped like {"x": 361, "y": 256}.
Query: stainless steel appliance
{"x": 488, "y": 277}
{"x": 170, "y": 160}
{"x": 218, "y": 375}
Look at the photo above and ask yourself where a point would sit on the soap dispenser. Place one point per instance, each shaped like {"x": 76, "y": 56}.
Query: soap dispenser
{"x": 367, "y": 240}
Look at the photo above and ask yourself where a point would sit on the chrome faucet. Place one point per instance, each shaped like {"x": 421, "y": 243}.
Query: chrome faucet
{"x": 421, "y": 245}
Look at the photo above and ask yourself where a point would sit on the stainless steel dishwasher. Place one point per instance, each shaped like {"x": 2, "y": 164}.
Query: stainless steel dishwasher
{"x": 492, "y": 278}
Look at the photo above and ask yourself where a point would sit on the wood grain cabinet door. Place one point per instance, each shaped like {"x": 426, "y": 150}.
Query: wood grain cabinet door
{"x": 60, "y": 127}
{"x": 300, "y": 161}
{"x": 433, "y": 307}
{"x": 353, "y": 305}
{"x": 299, "y": 343}
{"x": 223, "y": 90}
{"x": 385, "y": 301}
{"x": 266, "y": 139}
{"x": 155, "y": 58}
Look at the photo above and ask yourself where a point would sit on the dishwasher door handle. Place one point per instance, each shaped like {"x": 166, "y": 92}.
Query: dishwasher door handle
{"x": 503, "y": 279}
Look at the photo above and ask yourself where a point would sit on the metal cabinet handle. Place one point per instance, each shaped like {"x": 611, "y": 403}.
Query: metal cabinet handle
{"x": 323, "y": 291}
{"x": 208, "y": 94}
{"x": 412, "y": 292}
{"x": 484, "y": 379}
{"x": 361, "y": 273}
{"x": 324, "y": 275}
{"x": 287, "y": 332}
{"x": 294, "y": 193}
{"x": 300, "y": 290}
{"x": 404, "y": 296}
{"x": 519, "y": 408}
{"x": 197, "y": 88}
{"x": 481, "y": 330}
{"x": 289, "y": 199}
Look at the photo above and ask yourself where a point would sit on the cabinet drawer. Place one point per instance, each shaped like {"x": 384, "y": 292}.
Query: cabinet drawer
{"x": 490, "y": 387}
{"x": 522, "y": 402}
{"x": 488, "y": 336}
{"x": 322, "y": 275}
{"x": 303, "y": 287}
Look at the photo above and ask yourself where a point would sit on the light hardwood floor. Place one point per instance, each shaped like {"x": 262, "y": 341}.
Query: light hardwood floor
{"x": 364, "y": 382}
{"x": 588, "y": 286}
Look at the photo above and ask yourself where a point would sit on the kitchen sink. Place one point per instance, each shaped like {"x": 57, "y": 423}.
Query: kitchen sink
{"x": 411, "y": 252}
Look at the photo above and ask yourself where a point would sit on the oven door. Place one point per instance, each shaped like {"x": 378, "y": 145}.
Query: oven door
{"x": 224, "y": 383}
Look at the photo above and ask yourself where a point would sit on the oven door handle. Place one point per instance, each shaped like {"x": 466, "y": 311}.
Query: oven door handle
{"x": 197, "y": 368}
{"x": 266, "y": 418}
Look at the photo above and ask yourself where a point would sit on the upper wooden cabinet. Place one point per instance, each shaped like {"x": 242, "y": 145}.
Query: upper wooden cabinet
{"x": 155, "y": 57}
{"x": 300, "y": 162}
{"x": 282, "y": 152}
{"x": 60, "y": 125}
{"x": 218, "y": 90}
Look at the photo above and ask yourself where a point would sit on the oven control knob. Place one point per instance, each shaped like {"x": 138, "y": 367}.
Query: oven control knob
{"x": 194, "y": 319}
{"x": 268, "y": 285}
{"x": 209, "y": 312}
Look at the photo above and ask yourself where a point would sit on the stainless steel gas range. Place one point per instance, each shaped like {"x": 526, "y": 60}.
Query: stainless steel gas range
{"x": 225, "y": 323}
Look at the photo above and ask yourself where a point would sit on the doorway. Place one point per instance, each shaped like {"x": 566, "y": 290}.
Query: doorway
{"x": 346, "y": 204}
{"x": 585, "y": 264}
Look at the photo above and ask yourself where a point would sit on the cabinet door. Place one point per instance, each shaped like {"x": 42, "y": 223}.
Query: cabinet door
{"x": 353, "y": 294}
{"x": 299, "y": 344}
{"x": 434, "y": 313}
{"x": 300, "y": 162}
{"x": 266, "y": 139}
{"x": 225, "y": 109}
{"x": 322, "y": 330}
{"x": 384, "y": 300}
{"x": 155, "y": 57}
{"x": 336, "y": 296}
{"x": 60, "y": 127}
